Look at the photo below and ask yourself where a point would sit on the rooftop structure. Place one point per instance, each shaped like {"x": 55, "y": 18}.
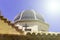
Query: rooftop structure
{"x": 32, "y": 21}
{"x": 29, "y": 15}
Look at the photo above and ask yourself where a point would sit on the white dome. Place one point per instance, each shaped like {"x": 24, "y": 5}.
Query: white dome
{"x": 29, "y": 15}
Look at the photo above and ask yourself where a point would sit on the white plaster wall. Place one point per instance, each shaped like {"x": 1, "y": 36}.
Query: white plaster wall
{"x": 35, "y": 26}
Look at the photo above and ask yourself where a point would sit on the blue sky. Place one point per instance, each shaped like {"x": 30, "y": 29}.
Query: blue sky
{"x": 48, "y": 8}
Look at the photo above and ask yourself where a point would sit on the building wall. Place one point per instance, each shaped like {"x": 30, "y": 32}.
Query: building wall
{"x": 7, "y": 29}
{"x": 35, "y": 26}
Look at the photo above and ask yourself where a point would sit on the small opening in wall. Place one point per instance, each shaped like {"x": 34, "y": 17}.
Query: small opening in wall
{"x": 27, "y": 29}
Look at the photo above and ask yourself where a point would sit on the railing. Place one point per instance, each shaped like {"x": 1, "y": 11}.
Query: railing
{"x": 30, "y": 36}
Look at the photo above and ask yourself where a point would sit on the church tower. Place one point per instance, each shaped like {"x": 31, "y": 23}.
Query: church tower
{"x": 30, "y": 21}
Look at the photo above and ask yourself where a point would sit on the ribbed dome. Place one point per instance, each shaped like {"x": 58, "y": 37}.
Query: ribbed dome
{"x": 28, "y": 15}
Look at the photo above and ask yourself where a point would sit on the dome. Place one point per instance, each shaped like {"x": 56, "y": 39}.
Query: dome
{"x": 29, "y": 15}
